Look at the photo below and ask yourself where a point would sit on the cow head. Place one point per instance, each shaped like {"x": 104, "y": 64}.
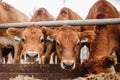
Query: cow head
{"x": 68, "y": 43}
{"x": 32, "y": 39}
{"x": 42, "y": 15}
{"x": 101, "y": 65}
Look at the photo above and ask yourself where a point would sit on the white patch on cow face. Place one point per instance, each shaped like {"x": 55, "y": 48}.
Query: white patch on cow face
{"x": 17, "y": 38}
{"x": 84, "y": 40}
{"x": 50, "y": 39}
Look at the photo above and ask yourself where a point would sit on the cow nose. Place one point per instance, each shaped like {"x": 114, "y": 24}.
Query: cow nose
{"x": 32, "y": 56}
{"x": 68, "y": 65}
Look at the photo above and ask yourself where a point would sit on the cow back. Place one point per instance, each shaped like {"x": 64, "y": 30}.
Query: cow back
{"x": 9, "y": 14}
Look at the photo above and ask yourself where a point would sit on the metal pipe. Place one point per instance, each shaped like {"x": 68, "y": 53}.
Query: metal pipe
{"x": 62, "y": 22}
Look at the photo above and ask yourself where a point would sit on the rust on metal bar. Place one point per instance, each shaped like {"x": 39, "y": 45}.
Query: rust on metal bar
{"x": 45, "y": 72}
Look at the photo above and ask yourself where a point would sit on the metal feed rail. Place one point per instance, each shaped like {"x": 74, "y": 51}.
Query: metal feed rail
{"x": 62, "y": 22}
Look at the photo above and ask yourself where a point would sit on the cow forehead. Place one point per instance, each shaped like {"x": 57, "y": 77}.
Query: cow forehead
{"x": 32, "y": 31}
{"x": 67, "y": 36}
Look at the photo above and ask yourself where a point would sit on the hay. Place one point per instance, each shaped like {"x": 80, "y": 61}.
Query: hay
{"x": 101, "y": 76}
{"x": 20, "y": 77}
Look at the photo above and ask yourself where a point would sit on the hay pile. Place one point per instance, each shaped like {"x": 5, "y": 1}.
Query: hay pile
{"x": 101, "y": 76}
{"x": 20, "y": 77}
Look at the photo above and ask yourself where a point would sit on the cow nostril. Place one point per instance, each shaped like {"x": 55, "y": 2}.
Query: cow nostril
{"x": 68, "y": 65}
{"x": 36, "y": 56}
{"x": 27, "y": 55}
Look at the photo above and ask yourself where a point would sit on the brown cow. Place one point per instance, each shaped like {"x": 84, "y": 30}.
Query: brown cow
{"x": 43, "y": 15}
{"x": 68, "y": 14}
{"x": 9, "y": 14}
{"x": 68, "y": 44}
{"x": 65, "y": 14}
{"x": 34, "y": 37}
{"x": 107, "y": 36}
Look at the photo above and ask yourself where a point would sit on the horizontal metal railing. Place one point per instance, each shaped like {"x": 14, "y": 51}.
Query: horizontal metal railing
{"x": 62, "y": 22}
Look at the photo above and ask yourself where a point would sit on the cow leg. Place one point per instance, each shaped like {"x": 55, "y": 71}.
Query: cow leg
{"x": 49, "y": 50}
{"x": 1, "y": 59}
{"x": 18, "y": 48}
{"x": 6, "y": 58}
{"x": 47, "y": 58}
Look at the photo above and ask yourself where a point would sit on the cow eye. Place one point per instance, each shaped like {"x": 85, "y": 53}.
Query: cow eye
{"x": 78, "y": 43}
{"x": 42, "y": 40}
{"x": 57, "y": 43}
{"x": 23, "y": 40}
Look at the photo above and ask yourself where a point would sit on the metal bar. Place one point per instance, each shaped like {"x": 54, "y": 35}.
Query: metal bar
{"x": 62, "y": 22}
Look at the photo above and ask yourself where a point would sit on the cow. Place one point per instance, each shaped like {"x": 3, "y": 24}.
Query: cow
{"x": 9, "y": 14}
{"x": 43, "y": 15}
{"x": 67, "y": 14}
{"x": 107, "y": 37}
{"x": 68, "y": 43}
{"x": 33, "y": 39}
{"x": 64, "y": 14}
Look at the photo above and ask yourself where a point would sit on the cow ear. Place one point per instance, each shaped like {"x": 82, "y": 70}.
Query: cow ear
{"x": 108, "y": 61}
{"x": 87, "y": 36}
{"x": 49, "y": 32}
{"x": 14, "y": 33}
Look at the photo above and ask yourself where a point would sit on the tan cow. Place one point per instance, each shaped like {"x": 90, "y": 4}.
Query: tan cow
{"x": 67, "y": 14}
{"x": 107, "y": 37}
{"x": 9, "y": 14}
{"x": 32, "y": 39}
{"x": 64, "y": 14}
{"x": 42, "y": 15}
{"x": 35, "y": 41}
{"x": 68, "y": 44}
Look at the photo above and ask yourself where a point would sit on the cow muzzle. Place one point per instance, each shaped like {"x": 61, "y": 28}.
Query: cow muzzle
{"x": 68, "y": 64}
{"x": 32, "y": 57}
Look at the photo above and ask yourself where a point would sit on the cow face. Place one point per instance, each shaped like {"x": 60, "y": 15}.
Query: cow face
{"x": 68, "y": 44}
{"x": 32, "y": 39}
